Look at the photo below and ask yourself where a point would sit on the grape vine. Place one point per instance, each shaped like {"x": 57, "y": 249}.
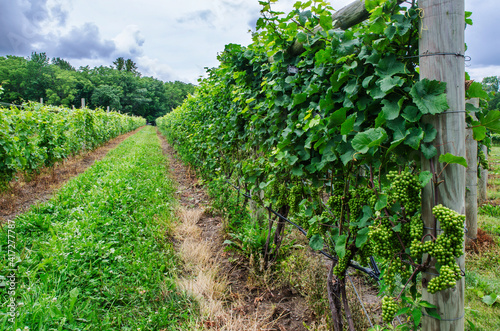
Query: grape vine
{"x": 333, "y": 135}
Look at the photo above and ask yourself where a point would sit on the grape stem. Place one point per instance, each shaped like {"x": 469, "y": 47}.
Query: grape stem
{"x": 418, "y": 268}
{"x": 429, "y": 234}
{"x": 392, "y": 224}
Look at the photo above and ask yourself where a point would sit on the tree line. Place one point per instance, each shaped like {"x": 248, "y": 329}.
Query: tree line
{"x": 119, "y": 86}
{"x": 491, "y": 85}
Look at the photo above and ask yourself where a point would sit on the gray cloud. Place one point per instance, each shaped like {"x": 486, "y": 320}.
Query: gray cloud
{"x": 21, "y": 32}
{"x": 82, "y": 42}
{"x": 59, "y": 14}
{"x": 482, "y": 43}
{"x": 15, "y": 29}
{"x": 35, "y": 11}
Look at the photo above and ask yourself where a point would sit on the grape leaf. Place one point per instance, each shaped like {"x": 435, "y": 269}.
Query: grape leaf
{"x": 492, "y": 120}
{"x": 363, "y": 141}
{"x": 490, "y": 299}
{"x": 316, "y": 242}
{"x": 424, "y": 177}
{"x": 362, "y": 237}
{"x": 340, "y": 246}
{"x": 417, "y": 315}
{"x": 429, "y": 96}
{"x": 450, "y": 158}
{"x": 381, "y": 202}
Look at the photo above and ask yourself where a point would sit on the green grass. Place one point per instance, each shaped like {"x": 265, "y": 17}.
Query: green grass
{"x": 494, "y": 174}
{"x": 97, "y": 255}
{"x": 482, "y": 276}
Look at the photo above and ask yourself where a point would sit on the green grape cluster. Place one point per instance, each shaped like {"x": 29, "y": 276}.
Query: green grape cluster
{"x": 452, "y": 223}
{"x": 358, "y": 198}
{"x": 405, "y": 189}
{"x": 381, "y": 238}
{"x": 372, "y": 200}
{"x": 416, "y": 248}
{"x": 294, "y": 199}
{"x": 389, "y": 309}
{"x": 416, "y": 227}
{"x": 448, "y": 276}
{"x": 445, "y": 248}
{"x": 342, "y": 265}
{"x": 277, "y": 191}
{"x": 335, "y": 202}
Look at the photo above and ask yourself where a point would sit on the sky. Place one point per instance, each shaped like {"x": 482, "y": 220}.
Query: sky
{"x": 176, "y": 40}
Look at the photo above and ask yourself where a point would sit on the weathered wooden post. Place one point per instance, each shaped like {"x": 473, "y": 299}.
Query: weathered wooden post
{"x": 441, "y": 52}
{"x": 471, "y": 184}
{"x": 482, "y": 181}
{"x": 83, "y": 103}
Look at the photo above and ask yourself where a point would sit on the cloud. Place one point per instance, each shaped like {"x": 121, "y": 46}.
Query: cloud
{"x": 480, "y": 37}
{"x": 153, "y": 67}
{"x": 206, "y": 17}
{"x": 81, "y": 42}
{"x": 41, "y": 25}
{"x": 15, "y": 29}
{"x": 129, "y": 42}
{"x": 477, "y": 73}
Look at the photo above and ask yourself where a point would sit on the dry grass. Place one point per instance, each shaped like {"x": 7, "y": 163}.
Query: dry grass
{"x": 204, "y": 281}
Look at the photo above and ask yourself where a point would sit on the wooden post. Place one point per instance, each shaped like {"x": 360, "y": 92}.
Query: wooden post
{"x": 471, "y": 184}
{"x": 83, "y": 103}
{"x": 482, "y": 181}
{"x": 442, "y": 31}
{"x": 41, "y": 101}
{"x": 107, "y": 109}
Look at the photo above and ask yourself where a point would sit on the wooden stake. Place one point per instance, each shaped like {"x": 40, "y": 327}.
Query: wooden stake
{"x": 471, "y": 184}
{"x": 482, "y": 181}
{"x": 442, "y": 31}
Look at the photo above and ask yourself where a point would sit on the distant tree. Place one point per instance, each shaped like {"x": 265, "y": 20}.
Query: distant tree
{"x": 67, "y": 88}
{"x": 39, "y": 77}
{"x": 119, "y": 86}
{"x": 40, "y": 59}
{"x": 63, "y": 64}
{"x": 106, "y": 95}
{"x": 119, "y": 63}
{"x": 130, "y": 66}
{"x": 12, "y": 74}
{"x": 491, "y": 84}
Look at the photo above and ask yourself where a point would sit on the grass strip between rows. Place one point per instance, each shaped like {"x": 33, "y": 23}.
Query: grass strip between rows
{"x": 96, "y": 256}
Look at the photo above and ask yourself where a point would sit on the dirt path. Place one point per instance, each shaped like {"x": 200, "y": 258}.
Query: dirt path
{"x": 28, "y": 191}
{"x": 236, "y": 303}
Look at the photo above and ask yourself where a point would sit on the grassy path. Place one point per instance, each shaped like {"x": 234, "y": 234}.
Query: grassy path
{"x": 96, "y": 256}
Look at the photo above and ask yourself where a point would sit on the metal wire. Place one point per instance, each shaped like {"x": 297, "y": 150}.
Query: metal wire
{"x": 372, "y": 273}
{"x": 361, "y": 301}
